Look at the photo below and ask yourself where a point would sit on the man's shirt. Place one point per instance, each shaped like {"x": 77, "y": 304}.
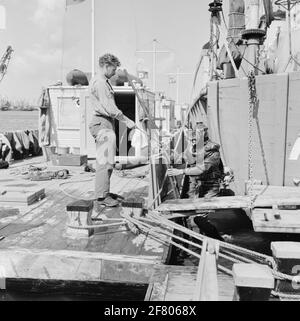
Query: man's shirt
{"x": 103, "y": 100}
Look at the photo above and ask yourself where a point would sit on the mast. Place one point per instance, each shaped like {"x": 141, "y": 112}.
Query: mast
{"x": 2, "y": 18}
{"x": 154, "y": 52}
{"x": 215, "y": 8}
{"x": 154, "y": 64}
{"x": 93, "y": 36}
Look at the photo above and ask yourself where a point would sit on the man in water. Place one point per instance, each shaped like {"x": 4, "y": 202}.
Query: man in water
{"x": 102, "y": 127}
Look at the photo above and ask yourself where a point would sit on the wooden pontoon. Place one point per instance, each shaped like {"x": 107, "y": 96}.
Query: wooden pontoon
{"x": 35, "y": 249}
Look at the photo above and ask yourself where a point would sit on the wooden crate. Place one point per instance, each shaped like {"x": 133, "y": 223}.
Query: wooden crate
{"x": 72, "y": 160}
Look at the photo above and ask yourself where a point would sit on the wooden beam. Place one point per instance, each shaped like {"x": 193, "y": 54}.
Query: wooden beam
{"x": 207, "y": 278}
{"x": 76, "y": 266}
{"x": 201, "y": 271}
{"x": 33, "y": 289}
{"x": 230, "y": 202}
{"x": 183, "y": 205}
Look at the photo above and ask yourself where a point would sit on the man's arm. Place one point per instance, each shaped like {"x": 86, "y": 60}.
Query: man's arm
{"x": 211, "y": 161}
{"x": 107, "y": 102}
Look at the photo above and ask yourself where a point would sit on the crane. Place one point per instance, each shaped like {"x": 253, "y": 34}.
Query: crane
{"x": 4, "y": 62}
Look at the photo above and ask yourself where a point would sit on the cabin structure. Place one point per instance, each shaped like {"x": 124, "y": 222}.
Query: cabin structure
{"x": 71, "y": 113}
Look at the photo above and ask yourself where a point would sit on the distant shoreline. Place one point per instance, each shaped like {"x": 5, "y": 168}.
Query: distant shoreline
{"x": 13, "y": 110}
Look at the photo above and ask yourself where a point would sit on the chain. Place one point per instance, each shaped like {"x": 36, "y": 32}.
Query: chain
{"x": 252, "y": 105}
{"x": 258, "y": 57}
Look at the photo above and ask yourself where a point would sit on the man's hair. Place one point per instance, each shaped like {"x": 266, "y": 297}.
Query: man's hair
{"x": 109, "y": 59}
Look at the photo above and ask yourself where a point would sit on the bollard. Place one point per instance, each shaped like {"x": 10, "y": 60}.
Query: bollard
{"x": 80, "y": 219}
{"x": 287, "y": 258}
{"x": 253, "y": 282}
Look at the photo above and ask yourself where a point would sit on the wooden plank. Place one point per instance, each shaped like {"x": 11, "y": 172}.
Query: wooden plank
{"x": 207, "y": 283}
{"x": 270, "y": 201}
{"x": 157, "y": 291}
{"x": 210, "y": 289}
{"x": 205, "y": 204}
{"x": 198, "y": 292}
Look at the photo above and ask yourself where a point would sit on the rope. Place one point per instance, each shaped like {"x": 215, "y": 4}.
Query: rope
{"x": 163, "y": 231}
{"x": 281, "y": 295}
{"x": 150, "y": 230}
{"x": 229, "y": 246}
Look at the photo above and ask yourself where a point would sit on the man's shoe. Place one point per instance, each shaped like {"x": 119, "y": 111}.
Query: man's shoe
{"x": 116, "y": 196}
{"x": 109, "y": 202}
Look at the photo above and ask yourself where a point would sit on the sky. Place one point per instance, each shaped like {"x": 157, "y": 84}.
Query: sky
{"x": 49, "y": 41}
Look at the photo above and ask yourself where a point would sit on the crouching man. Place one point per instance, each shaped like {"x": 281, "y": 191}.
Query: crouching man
{"x": 205, "y": 174}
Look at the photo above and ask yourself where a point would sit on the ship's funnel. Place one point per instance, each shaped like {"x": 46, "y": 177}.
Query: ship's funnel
{"x": 253, "y": 37}
{"x": 236, "y": 20}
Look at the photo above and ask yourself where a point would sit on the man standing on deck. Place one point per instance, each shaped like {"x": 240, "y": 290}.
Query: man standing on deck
{"x": 102, "y": 127}
{"x": 204, "y": 177}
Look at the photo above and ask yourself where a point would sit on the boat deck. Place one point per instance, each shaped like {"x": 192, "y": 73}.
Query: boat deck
{"x": 35, "y": 244}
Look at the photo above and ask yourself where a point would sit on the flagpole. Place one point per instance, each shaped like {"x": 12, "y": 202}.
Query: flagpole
{"x": 93, "y": 37}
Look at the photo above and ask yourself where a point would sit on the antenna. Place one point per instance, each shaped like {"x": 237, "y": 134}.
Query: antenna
{"x": 288, "y": 5}
{"x": 154, "y": 53}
